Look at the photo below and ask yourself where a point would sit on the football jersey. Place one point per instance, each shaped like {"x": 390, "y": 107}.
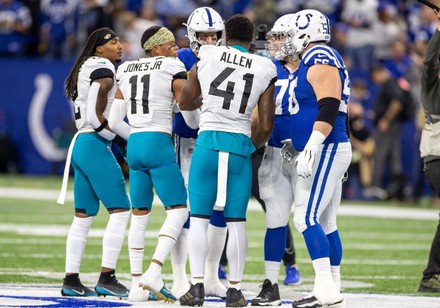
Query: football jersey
{"x": 304, "y": 107}
{"x": 146, "y": 85}
{"x": 231, "y": 82}
{"x": 283, "y": 95}
{"x": 93, "y": 68}
{"x": 187, "y": 56}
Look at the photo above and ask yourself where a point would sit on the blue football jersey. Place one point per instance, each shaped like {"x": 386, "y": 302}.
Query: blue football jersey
{"x": 187, "y": 56}
{"x": 304, "y": 106}
{"x": 283, "y": 90}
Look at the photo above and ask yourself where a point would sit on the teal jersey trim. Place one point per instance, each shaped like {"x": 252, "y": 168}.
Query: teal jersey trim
{"x": 241, "y": 48}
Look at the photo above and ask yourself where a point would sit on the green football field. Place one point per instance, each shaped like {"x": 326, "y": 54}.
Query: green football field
{"x": 382, "y": 255}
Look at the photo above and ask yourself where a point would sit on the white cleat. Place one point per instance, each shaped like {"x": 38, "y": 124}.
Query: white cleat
{"x": 311, "y": 301}
{"x": 179, "y": 289}
{"x": 138, "y": 294}
{"x": 155, "y": 284}
{"x": 215, "y": 288}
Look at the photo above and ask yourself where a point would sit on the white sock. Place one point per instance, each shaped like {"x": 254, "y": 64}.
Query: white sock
{"x": 135, "y": 281}
{"x": 179, "y": 256}
{"x": 76, "y": 242}
{"x": 336, "y": 275}
{"x": 272, "y": 269}
{"x": 114, "y": 238}
{"x": 136, "y": 235}
{"x": 198, "y": 246}
{"x": 324, "y": 288}
{"x": 237, "y": 249}
{"x": 163, "y": 248}
{"x": 216, "y": 245}
{"x": 235, "y": 286}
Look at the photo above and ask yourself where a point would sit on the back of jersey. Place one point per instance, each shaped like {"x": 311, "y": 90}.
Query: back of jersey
{"x": 231, "y": 82}
{"x": 146, "y": 85}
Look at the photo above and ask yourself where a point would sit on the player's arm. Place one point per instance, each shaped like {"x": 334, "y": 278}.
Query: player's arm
{"x": 264, "y": 116}
{"x": 97, "y": 102}
{"x": 191, "y": 92}
{"x": 116, "y": 117}
{"x": 327, "y": 86}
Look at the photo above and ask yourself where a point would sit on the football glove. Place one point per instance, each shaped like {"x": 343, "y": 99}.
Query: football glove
{"x": 306, "y": 159}
{"x": 288, "y": 152}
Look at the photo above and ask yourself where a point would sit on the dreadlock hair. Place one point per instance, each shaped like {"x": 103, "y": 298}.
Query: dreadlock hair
{"x": 88, "y": 51}
{"x": 239, "y": 28}
{"x": 147, "y": 34}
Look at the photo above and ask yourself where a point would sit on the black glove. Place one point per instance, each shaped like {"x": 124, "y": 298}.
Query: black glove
{"x": 122, "y": 145}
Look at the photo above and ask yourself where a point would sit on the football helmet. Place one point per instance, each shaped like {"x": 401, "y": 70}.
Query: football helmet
{"x": 204, "y": 19}
{"x": 277, "y": 36}
{"x": 308, "y": 26}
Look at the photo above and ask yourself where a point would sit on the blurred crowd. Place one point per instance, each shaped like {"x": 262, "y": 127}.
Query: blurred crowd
{"x": 382, "y": 43}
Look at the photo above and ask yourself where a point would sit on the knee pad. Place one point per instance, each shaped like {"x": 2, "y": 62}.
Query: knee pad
{"x": 275, "y": 220}
{"x": 174, "y": 222}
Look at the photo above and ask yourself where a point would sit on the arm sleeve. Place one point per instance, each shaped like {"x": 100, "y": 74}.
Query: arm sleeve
{"x": 116, "y": 119}
{"x": 92, "y": 118}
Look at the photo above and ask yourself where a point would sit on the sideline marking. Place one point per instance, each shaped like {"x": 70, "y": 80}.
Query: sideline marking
{"x": 56, "y": 302}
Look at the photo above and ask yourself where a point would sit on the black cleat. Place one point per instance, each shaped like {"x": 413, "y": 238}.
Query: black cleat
{"x": 76, "y": 288}
{"x": 111, "y": 287}
{"x": 269, "y": 295}
{"x": 312, "y": 302}
{"x": 194, "y": 297}
{"x": 430, "y": 285}
{"x": 234, "y": 298}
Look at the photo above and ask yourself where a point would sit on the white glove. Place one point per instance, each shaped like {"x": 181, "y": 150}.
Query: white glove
{"x": 306, "y": 159}
{"x": 288, "y": 152}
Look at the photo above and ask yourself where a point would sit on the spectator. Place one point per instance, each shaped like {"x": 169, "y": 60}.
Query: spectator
{"x": 15, "y": 23}
{"x": 60, "y": 25}
{"x": 388, "y": 108}
{"x": 430, "y": 148}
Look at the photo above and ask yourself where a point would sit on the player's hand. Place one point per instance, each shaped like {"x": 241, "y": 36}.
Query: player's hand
{"x": 288, "y": 152}
{"x": 304, "y": 163}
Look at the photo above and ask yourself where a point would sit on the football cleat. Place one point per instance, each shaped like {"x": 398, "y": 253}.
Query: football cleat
{"x": 76, "y": 289}
{"x": 311, "y": 301}
{"x": 430, "y": 285}
{"x": 194, "y": 297}
{"x": 235, "y": 298}
{"x": 293, "y": 276}
{"x": 138, "y": 294}
{"x": 155, "y": 284}
{"x": 269, "y": 295}
{"x": 111, "y": 287}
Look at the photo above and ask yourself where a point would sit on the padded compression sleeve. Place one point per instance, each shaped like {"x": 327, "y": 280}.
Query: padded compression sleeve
{"x": 328, "y": 110}
{"x": 92, "y": 118}
{"x": 116, "y": 119}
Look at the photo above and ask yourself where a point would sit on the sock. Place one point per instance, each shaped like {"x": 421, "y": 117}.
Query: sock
{"x": 235, "y": 286}
{"x": 136, "y": 235}
{"x": 336, "y": 275}
{"x": 179, "y": 256}
{"x": 114, "y": 238}
{"x": 198, "y": 246}
{"x": 216, "y": 244}
{"x": 236, "y": 249}
{"x": 76, "y": 242}
{"x": 272, "y": 270}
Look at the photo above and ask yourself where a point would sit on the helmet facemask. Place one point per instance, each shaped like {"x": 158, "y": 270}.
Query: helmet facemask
{"x": 204, "y": 20}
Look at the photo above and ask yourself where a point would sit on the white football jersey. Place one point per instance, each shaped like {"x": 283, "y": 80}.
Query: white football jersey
{"x": 92, "y": 66}
{"x": 231, "y": 82}
{"x": 146, "y": 85}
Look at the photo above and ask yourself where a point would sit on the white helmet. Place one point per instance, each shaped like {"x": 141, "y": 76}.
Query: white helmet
{"x": 277, "y": 35}
{"x": 308, "y": 26}
{"x": 204, "y": 19}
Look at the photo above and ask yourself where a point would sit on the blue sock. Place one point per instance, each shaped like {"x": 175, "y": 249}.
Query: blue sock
{"x": 274, "y": 244}
{"x": 335, "y": 248}
{"x": 316, "y": 242}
